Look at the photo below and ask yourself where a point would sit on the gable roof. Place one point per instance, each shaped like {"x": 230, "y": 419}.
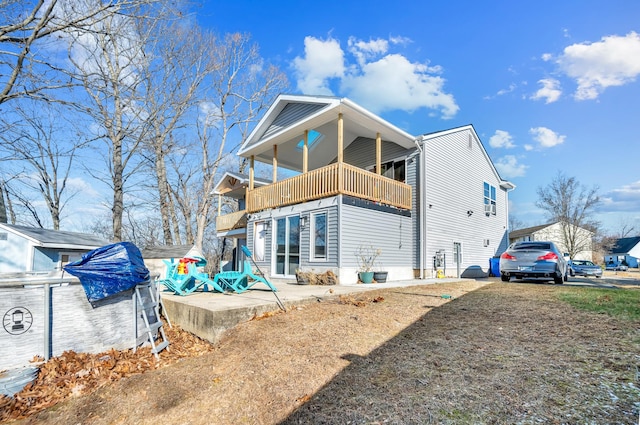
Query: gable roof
{"x": 285, "y": 122}
{"x": 625, "y": 245}
{"x": 232, "y": 184}
{"x": 168, "y": 251}
{"x": 534, "y": 229}
{"x": 528, "y": 231}
{"x": 47, "y": 238}
{"x": 425, "y": 138}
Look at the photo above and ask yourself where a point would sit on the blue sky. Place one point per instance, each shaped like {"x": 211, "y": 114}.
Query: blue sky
{"x": 548, "y": 85}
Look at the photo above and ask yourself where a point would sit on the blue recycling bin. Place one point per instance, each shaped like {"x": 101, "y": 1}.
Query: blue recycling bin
{"x": 494, "y": 266}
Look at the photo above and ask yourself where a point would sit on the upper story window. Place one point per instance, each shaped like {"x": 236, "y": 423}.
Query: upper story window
{"x": 395, "y": 170}
{"x": 489, "y": 199}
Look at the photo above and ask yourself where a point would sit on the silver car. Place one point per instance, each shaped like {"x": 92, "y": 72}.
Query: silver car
{"x": 533, "y": 259}
{"x": 584, "y": 268}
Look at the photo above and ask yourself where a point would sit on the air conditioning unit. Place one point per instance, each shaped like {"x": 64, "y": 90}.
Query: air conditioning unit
{"x": 489, "y": 209}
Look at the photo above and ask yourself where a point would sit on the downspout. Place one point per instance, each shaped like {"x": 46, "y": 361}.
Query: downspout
{"x": 421, "y": 204}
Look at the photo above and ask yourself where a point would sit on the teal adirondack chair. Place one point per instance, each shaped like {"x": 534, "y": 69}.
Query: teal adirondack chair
{"x": 186, "y": 283}
{"x": 240, "y": 281}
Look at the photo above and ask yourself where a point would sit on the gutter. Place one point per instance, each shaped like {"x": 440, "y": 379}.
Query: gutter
{"x": 420, "y": 180}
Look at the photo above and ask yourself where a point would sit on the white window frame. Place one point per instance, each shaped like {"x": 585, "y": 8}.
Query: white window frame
{"x": 312, "y": 241}
{"x": 259, "y": 242}
{"x": 490, "y": 201}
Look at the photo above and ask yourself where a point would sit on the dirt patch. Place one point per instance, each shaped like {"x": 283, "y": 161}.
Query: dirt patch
{"x": 446, "y": 353}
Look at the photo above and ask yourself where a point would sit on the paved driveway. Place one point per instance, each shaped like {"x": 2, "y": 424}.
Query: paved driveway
{"x": 609, "y": 279}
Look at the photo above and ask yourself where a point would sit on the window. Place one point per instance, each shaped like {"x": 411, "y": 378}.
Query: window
{"x": 259, "y": 240}
{"x": 319, "y": 236}
{"x": 392, "y": 169}
{"x": 489, "y": 199}
{"x": 457, "y": 253}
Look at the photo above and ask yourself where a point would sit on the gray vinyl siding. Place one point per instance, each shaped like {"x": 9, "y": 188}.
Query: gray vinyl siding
{"x": 332, "y": 240}
{"x": 391, "y": 233}
{"x": 456, "y": 171}
{"x": 303, "y": 210}
{"x": 413, "y": 164}
{"x": 362, "y": 152}
{"x": 291, "y": 114}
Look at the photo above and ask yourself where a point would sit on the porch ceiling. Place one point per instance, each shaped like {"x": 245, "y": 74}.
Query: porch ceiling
{"x": 357, "y": 122}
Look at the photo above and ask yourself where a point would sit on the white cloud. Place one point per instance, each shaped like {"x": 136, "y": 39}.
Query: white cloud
{"x": 508, "y": 167}
{"x": 400, "y": 40}
{"x": 209, "y": 114}
{"x": 81, "y": 186}
{"x": 377, "y": 79}
{"x": 547, "y": 57}
{"x": 550, "y": 90}
{"x": 612, "y": 61}
{"x": 511, "y": 88}
{"x": 625, "y": 198}
{"x": 501, "y": 139}
{"x": 323, "y": 59}
{"x": 367, "y": 50}
{"x": 545, "y": 137}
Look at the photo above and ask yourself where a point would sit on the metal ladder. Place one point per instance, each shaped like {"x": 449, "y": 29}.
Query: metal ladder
{"x": 146, "y": 305}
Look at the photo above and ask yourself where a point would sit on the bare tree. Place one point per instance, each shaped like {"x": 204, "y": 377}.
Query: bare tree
{"x": 173, "y": 82}
{"x": 572, "y": 205}
{"x": 515, "y": 223}
{"x": 36, "y": 140}
{"x": 107, "y": 62}
{"x": 26, "y": 65}
{"x": 626, "y": 227}
{"x": 240, "y": 87}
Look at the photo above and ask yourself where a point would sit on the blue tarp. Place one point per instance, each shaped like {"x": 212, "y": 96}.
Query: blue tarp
{"x": 109, "y": 270}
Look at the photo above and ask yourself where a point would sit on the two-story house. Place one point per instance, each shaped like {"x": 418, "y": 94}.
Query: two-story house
{"x": 427, "y": 202}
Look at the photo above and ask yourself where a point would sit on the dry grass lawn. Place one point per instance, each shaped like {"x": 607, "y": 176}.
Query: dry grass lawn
{"x": 492, "y": 353}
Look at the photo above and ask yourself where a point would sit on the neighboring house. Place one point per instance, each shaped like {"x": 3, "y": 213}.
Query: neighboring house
{"x": 554, "y": 232}
{"x": 234, "y": 225}
{"x": 433, "y": 201}
{"x": 32, "y": 249}
{"x": 625, "y": 250}
{"x": 155, "y": 256}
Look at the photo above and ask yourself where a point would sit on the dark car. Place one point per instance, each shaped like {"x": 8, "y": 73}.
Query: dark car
{"x": 584, "y": 268}
{"x": 533, "y": 259}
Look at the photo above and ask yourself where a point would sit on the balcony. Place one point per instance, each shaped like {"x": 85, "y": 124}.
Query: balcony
{"x": 235, "y": 220}
{"x": 331, "y": 180}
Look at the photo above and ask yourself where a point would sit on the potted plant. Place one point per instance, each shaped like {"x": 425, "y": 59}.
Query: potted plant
{"x": 366, "y": 257}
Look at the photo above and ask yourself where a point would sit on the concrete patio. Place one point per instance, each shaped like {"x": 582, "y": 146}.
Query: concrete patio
{"x": 209, "y": 314}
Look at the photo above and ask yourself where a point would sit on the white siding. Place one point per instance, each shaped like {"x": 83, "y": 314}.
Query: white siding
{"x": 554, "y": 234}
{"x": 456, "y": 169}
{"x": 390, "y": 232}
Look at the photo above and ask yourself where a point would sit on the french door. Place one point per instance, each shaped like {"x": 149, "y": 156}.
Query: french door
{"x": 287, "y": 245}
